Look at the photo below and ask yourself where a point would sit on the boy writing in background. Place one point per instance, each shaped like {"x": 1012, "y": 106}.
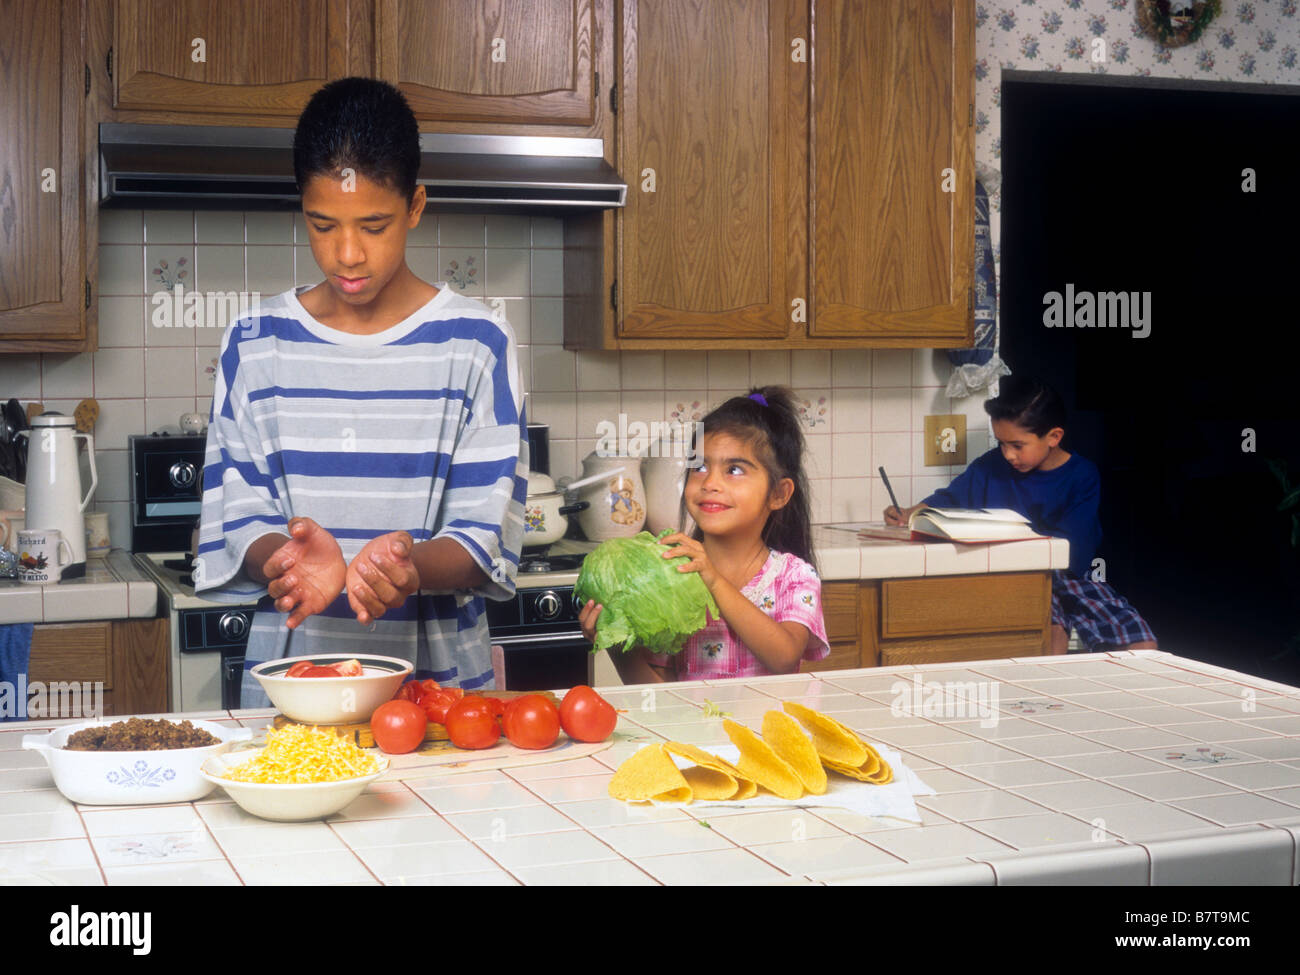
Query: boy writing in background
{"x": 1058, "y": 492}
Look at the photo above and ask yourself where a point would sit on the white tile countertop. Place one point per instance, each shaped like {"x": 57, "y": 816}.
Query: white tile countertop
{"x": 1130, "y": 768}
{"x": 842, "y": 556}
{"x": 113, "y": 588}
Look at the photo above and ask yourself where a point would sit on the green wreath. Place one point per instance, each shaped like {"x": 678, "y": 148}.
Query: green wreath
{"x": 1157, "y": 22}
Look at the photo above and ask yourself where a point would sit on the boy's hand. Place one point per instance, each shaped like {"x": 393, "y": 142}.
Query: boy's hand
{"x": 893, "y": 516}
{"x": 587, "y": 619}
{"x": 382, "y": 576}
{"x": 680, "y": 545}
{"x": 305, "y": 573}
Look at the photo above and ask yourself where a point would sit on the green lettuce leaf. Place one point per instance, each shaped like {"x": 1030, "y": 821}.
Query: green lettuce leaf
{"x": 646, "y": 601}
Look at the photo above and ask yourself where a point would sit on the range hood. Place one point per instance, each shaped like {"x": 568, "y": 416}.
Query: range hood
{"x": 195, "y": 167}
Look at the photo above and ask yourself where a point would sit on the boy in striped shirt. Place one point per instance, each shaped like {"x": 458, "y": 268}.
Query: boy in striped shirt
{"x": 367, "y": 453}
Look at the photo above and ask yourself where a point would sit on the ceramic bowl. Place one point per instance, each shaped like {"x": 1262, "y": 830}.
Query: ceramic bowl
{"x": 126, "y": 778}
{"x": 332, "y": 700}
{"x": 286, "y": 803}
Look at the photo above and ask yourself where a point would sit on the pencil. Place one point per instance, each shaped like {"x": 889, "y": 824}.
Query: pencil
{"x": 885, "y": 477}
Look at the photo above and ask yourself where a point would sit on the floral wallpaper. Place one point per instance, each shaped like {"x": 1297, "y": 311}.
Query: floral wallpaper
{"x": 1251, "y": 41}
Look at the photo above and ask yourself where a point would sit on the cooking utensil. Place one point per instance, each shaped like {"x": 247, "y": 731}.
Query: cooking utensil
{"x": 126, "y": 778}
{"x": 54, "y": 498}
{"x": 545, "y": 513}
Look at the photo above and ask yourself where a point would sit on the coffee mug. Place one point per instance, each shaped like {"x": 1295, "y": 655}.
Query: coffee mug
{"x": 38, "y": 555}
{"x": 97, "y": 543}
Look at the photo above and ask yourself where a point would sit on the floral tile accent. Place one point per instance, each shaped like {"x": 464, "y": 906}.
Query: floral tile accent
{"x": 813, "y": 412}
{"x": 1034, "y": 707}
{"x": 1201, "y": 756}
{"x": 687, "y": 412}
{"x": 169, "y": 275}
{"x": 464, "y": 274}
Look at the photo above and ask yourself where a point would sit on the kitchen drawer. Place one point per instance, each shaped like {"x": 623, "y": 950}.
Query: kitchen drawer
{"x": 840, "y": 610}
{"x": 986, "y": 646}
{"x": 843, "y": 656}
{"x": 72, "y": 651}
{"x": 951, "y": 605}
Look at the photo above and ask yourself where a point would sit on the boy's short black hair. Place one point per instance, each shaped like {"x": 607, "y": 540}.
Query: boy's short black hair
{"x": 1027, "y": 402}
{"x": 363, "y": 124}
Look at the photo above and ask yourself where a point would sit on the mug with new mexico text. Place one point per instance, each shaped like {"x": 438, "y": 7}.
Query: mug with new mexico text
{"x": 38, "y": 555}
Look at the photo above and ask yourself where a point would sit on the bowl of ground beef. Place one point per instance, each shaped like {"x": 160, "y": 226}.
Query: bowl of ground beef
{"x": 126, "y": 761}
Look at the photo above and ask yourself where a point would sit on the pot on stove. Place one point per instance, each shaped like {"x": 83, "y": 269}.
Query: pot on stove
{"x": 545, "y": 513}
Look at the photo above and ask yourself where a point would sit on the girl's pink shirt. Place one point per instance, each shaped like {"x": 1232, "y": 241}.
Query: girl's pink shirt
{"x": 787, "y": 589}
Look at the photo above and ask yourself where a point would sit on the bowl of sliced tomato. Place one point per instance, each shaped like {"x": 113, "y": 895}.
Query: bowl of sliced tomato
{"x": 331, "y": 688}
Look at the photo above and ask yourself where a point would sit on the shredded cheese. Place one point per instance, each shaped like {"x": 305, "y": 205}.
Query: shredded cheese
{"x": 296, "y": 754}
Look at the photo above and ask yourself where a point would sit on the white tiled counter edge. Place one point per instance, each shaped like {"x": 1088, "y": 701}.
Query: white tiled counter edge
{"x": 841, "y": 556}
{"x": 113, "y": 588}
{"x": 1067, "y": 788}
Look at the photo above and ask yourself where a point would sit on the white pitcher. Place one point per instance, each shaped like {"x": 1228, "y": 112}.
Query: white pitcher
{"x": 54, "y": 498}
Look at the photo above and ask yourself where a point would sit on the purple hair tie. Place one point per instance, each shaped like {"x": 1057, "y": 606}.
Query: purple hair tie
{"x": 758, "y": 398}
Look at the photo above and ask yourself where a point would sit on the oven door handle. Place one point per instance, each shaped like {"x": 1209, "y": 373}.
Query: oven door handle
{"x": 547, "y": 638}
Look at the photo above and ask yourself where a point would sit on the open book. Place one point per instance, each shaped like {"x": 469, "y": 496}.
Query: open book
{"x": 957, "y": 525}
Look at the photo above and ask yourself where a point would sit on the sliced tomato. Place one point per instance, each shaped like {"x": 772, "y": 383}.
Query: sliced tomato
{"x": 297, "y": 669}
{"x": 320, "y": 672}
{"x": 348, "y": 668}
{"x": 417, "y": 691}
{"x": 440, "y": 702}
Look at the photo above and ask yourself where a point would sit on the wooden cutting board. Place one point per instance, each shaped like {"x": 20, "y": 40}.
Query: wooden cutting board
{"x": 364, "y": 738}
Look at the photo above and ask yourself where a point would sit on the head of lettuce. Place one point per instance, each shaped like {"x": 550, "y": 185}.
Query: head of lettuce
{"x": 647, "y": 602}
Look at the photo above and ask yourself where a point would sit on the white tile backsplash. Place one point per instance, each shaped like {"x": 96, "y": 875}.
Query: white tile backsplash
{"x": 865, "y": 406}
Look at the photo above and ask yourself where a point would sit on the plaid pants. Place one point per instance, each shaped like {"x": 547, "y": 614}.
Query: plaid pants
{"x": 1103, "y": 617}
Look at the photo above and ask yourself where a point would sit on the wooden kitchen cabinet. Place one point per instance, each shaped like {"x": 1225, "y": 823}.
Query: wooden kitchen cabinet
{"x": 234, "y": 58}
{"x": 48, "y": 222}
{"x": 789, "y": 166}
{"x": 936, "y": 619}
{"x": 129, "y": 656}
{"x": 526, "y": 61}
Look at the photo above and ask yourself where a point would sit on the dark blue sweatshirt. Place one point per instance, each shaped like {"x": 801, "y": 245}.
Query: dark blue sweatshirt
{"x": 1060, "y": 502}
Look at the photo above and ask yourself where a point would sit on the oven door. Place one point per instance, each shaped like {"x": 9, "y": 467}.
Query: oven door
{"x": 549, "y": 662}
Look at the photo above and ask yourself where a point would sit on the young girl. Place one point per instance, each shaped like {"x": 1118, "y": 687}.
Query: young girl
{"x": 1058, "y": 491}
{"x": 752, "y": 547}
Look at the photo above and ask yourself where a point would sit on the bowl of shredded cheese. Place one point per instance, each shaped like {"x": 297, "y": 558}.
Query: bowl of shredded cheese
{"x": 302, "y": 773}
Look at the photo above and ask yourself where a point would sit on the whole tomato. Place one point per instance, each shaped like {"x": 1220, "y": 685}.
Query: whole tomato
{"x": 531, "y": 721}
{"x": 398, "y": 726}
{"x": 471, "y": 723}
{"x": 587, "y": 716}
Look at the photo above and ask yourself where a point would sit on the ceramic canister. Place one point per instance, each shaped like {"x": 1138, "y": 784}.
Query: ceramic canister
{"x": 618, "y": 505}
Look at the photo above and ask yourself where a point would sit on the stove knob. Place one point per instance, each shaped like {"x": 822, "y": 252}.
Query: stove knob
{"x": 548, "y": 605}
{"x": 232, "y": 626}
{"x": 182, "y": 474}
{"x": 577, "y": 604}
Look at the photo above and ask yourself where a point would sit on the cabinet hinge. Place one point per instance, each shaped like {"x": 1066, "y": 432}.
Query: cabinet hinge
{"x": 87, "y": 67}
{"x": 613, "y": 294}
{"x": 108, "y": 63}
{"x": 87, "y": 294}
{"x": 970, "y": 118}
{"x": 613, "y": 99}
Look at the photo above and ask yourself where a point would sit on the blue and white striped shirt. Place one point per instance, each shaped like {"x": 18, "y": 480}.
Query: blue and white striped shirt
{"x": 417, "y": 428}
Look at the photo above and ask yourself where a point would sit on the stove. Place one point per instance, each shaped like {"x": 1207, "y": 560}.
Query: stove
{"x": 207, "y": 638}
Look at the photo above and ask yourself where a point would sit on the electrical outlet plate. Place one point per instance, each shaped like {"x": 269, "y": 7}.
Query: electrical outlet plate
{"x": 945, "y": 440}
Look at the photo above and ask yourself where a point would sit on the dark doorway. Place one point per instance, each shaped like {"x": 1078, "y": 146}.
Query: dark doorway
{"x": 1136, "y": 185}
